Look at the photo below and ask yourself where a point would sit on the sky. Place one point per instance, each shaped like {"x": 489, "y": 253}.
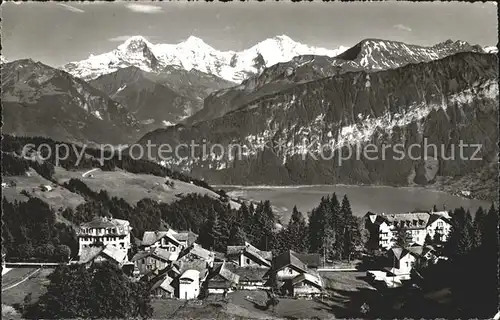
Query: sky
{"x": 57, "y": 33}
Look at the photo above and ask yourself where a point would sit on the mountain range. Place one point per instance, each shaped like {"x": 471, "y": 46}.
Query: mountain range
{"x": 368, "y": 55}
{"x": 38, "y": 100}
{"x": 446, "y": 101}
{"x": 194, "y": 53}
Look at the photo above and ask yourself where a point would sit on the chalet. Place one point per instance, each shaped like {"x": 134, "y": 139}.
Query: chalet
{"x": 403, "y": 261}
{"x": 162, "y": 288}
{"x": 249, "y": 256}
{"x": 91, "y": 255}
{"x": 103, "y": 231}
{"x": 311, "y": 260}
{"x": 307, "y": 285}
{"x": 289, "y": 272}
{"x": 194, "y": 253}
{"x": 250, "y": 278}
{"x": 146, "y": 261}
{"x": 189, "y": 284}
{"x": 439, "y": 226}
{"x": 287, "y": 266}
{"x": 221, "y": 280}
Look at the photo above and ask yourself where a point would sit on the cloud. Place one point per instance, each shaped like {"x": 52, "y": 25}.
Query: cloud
{"x": 402, "y": 27}
{"x": 71, "y": 8}
{"x": 144, "y": 8}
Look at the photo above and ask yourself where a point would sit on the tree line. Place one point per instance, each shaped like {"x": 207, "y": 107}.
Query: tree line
{"x": 30, "y": 231}
{"x": 70, "y": 159}
{"x": 102, "y": 291}
{"x": 471, "y": 269}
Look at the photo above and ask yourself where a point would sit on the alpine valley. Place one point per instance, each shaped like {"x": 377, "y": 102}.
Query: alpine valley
{"x": 274, "y": 99}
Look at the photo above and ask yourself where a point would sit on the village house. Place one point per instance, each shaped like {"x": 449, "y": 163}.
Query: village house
{"x": 103, "y": 231}
{"x": 250, "y": 278}
{"x": 171, "y": 240}
{"x": 289, "y": 272}
{"x": 154, "y": 259}
{"x": 159, "y": 288}
{"x": 249, "y": 256}
{"x": 196, "y": 254}
{"x": 221, "y": 280}
{"x": 439, "y": 224}
{"x": 418, "y": 225}
{"x": 110, "y": 253}
{"x": 189, "y": 284}
{"x": 403, "y": 261}
{"x": 307, "y": 285}
{"x": 162, "y": 288}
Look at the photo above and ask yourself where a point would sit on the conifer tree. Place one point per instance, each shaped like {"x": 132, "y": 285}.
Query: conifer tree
{"x": 478, "y": 227}
{"x": 401, "y": 236}
{"x": 297, "y": 231}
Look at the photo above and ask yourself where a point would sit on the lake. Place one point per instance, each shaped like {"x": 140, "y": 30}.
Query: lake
{"x": 377, "y": 199}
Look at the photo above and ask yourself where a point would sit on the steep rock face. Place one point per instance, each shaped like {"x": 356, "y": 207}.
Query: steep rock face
{"x": 42, "y": 101}
{"x": 281, "y": 135}
{"x": 148, "y": 100}
{"x": 369, "y": 55}
{"x": 156, "y": 99}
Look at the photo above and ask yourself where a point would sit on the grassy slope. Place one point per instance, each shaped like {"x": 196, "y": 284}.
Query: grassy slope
{"x": 132, "y": 187}
{"x": 122, "y": 184}
{"x": 57, "y": 198}
{"x": 35, "y": 285}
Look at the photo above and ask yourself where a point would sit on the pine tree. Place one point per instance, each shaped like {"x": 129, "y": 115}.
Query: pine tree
{"x": 297, "y": 231}
{"x": 401, "y": 236}
{"x": 478, "y": 227}
{"x": 467, "y": 239}
{"x": 350, "y": 230}
{"x": 454, "y": 245}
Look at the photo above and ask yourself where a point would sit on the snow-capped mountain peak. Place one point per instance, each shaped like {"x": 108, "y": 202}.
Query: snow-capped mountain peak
{"x": 491, "y": 49}
{"x": 194, "y": 53}
{"x": 135, "y": 43}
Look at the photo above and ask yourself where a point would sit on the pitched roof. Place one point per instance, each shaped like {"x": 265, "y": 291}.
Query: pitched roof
{"x": 197, "y": 250}
{"x": 264, "y": 256}
{"x": 90, "y": 253}
{"x": 411, "y": 220}
{"x": 188, "y": 236}
{"x": 247, "y": 273}
{"x": 115, "y": 253}
{"x": 222, "y": 277}
{"x": 105, "y": 222}
{"x": 400, "y": 253}
{"x": 309, "y": 278}
{"x": 159, "y": 253}
{"x": 151, "y": 237}
{"x": 286, "y": 259}
{"x": 436, "y": 216}
{"x": 311, "y": 260}
{"x": 165, "y": 284}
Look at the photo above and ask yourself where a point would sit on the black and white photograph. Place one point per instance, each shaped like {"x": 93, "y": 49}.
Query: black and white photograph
{"x": 249, "y": 160}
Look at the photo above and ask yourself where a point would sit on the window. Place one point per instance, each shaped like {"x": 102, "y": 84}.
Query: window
{"x": 290, "y": 271}
{"x": 440, "y": 223}
{"x": 248, "y": 261}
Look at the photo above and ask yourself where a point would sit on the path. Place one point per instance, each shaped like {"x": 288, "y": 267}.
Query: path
{"x": 336, "y": 269}
{"x": 22, "y": 280}
{"x": 90, "y": 171}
